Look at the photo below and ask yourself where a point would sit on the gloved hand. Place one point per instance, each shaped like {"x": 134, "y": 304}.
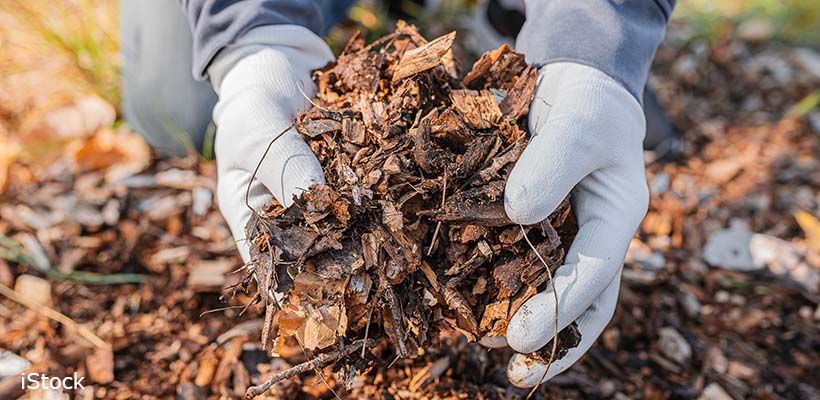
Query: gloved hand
{"x": 258, "y": 81}
{"x": 588, "y": 132}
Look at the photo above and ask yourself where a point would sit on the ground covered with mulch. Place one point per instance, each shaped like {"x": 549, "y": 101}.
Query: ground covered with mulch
{"x": 719, "y": 296}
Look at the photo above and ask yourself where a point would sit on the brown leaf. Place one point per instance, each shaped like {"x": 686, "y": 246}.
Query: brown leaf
{"x": 120, "y": 153}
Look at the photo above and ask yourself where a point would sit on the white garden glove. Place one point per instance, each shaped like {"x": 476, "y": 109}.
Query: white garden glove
{"x": 258, "y": 80}
{"x": 588, "y": 132}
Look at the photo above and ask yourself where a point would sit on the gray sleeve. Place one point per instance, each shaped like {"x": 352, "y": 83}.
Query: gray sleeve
{"x": 216, "y": 24}
{"x": 619, "y": 37}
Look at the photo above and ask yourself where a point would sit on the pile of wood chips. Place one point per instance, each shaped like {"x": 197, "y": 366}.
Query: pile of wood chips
{"x": 409, "y": 236}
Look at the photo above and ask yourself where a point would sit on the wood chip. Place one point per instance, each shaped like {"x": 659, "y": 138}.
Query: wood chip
{"x": 424, "y": 58}
{"x": 478, "y": 108}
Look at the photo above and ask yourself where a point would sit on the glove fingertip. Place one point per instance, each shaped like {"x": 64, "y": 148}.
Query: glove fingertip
{"x": 293, "y": 188}
{"x": 525, "y": 202}
{"x": 521, "y": 203}
{"x": 531, "y": 326}
{"x": 524, "y": 372}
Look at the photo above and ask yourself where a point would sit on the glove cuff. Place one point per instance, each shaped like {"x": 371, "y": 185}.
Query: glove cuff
{"x": 303, "y": 49}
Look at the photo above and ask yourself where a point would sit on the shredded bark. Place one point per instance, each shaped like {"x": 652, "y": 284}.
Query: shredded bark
{"x": 408, "y": 238}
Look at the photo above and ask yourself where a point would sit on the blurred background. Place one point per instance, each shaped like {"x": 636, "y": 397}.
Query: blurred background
{"x": 112, "y": 259}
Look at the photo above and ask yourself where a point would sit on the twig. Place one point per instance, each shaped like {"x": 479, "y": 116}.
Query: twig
{"x": 309, "y": 100}
{"x": 367, "y": 330}
{"x": 555, "y": 328}
{"x": 438, "y": 224}
{"x": 50, "y": 313}
{"x": 258, "y": 165}
{"x": 219, "y": 309}
{"x": 321, "y": 361}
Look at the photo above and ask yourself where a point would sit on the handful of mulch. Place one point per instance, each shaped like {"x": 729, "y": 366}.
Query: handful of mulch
{"x": 409, "y": 236}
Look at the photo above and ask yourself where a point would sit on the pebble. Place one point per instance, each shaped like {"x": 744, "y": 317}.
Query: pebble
{"x": 100, "y": 366}
{"x": 729, "y": 248}
{"x": 740, "y": 370}
{"x": 606, "y": 388}
{"x": 11, "y": 364}
{"x": 755, "y": 30}
{"x": 808, "y": 60}
{"x": 34, "y": 288}
{"x": 690, "y": 304}
{"x": 805, "y": 312}
{"x": 639, "y": 276}
{"x": 202, "y": 200}
{"x": 738, "y": 248}
{"x": 660, "y": 183}
{"x": 722, "y": 296}
{"x": 685, "y": 66}
{"x": 674, "y": 346}
{"x": 713, "y": 391}
{"x": 111, "y": 212}
{"x": 721, "y": 171}
{"x": 639, "y": 253}
{"x": 715, "y": 360}
{"x": 209, "y": 275}
{"x": 47, "y": 394}
{"x": 784, "y": 259}
{"x": 176, "y": 178}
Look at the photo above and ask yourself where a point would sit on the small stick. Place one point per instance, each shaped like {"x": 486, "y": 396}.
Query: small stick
{"x": 438, "y": 225}
{"x": 256, "y": 170}
{"x": 55, "y": 315}
{"x": 555, "y": 328}
{"x": 299, "y": 86}
{"x": 367, "y": 330}
{"x": 321, "y": 361}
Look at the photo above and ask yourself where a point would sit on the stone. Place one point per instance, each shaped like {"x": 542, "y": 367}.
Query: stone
{"x": 721, "y": 171}
{"x": 639, "y": 253}
{"x": 729, "y": 248}
{"x": 209, "y": 275}
{"x": 755, "y": 30}
{"x": 11, "y": 364}
{"x": 202, "y": 200}
{"x": 715, "y": 360}
{"x": 785, "y": 260}
{"x": 808, "y": 59}
{"x": 659, "y": 183}
{"x": 33, "y": 288}
{"x": 740, "y": 370}
{"x": 674, "y": 346}
{"x": 689, "y": 302}
{"x": 713, "y": 391}
{"x": 100, "y": 366}
{"x": 639, "y": 276}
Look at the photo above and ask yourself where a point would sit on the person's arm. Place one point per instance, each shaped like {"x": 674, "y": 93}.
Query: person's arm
{"x": 618, "y": 38}
{"x": 588, "y": 128}
{"x": 216, "y": 24}
{"x": 258, "y": 55}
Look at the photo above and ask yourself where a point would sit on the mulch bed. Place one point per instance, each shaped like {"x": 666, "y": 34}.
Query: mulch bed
{"x": 752, "y": 335}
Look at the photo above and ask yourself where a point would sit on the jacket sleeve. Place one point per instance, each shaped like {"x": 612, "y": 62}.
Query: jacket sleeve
{"x": 619, "y": 37}
{"x": 216, "y": 24}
